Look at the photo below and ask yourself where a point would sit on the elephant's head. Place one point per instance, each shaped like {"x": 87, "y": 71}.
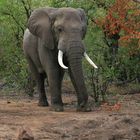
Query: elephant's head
{"x": 65, "y": 29}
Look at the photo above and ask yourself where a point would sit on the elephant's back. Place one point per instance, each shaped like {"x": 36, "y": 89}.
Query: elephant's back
{"x": 30, "y": 43}
{"x": 30, "y": 48}
{"x": 29, "y": 40}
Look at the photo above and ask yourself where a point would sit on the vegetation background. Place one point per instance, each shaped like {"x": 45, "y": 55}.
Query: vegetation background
{"x": 112, "y": 40}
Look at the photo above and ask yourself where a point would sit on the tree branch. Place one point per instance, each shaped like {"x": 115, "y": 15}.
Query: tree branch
{"x": 27, "y": 9}
{"x": 13, "y": 17}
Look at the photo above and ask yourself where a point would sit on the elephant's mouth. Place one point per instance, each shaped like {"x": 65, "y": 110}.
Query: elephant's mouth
{"x": 60, "y": 60}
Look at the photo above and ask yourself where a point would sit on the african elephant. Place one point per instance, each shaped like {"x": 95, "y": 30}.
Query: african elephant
{"x": 53, "y": 42}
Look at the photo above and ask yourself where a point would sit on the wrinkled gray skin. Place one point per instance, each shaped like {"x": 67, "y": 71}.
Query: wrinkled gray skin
{"x": 50, "y": 30}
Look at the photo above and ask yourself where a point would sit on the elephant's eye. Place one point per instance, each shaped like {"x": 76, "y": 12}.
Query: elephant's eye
{"x": 59, "y": 29}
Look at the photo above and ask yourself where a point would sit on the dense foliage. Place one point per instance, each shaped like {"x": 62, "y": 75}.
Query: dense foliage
{"x": 112, "y": 40}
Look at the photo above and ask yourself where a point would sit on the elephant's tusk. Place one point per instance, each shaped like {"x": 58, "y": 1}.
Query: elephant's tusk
{"x": 60, "y": 60}
{"x": 89, "y": 60}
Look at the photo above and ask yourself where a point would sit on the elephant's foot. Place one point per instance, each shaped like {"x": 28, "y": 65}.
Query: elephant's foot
{"x": 57, "y": 108}
{"x": 43, "y": 103}
{"x": 85, "y": 108}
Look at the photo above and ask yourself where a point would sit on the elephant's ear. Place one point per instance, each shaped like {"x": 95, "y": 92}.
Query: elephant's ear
{"x": 84, "y": 20}
{"x": 39, "y": 25}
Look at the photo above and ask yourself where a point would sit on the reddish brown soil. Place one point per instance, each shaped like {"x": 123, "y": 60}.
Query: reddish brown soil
{"x": 100, "y": 124}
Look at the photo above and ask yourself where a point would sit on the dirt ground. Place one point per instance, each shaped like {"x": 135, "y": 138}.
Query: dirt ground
{"x": 119, "y": 122}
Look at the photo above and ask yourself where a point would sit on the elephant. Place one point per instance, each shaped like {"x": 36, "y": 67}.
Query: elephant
{"x": 53, "y": 44}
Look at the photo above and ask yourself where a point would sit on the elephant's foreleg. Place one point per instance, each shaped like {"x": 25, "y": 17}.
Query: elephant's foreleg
{"x": 55, "y": 77}
{"x": 39, "y": 78}
{"x": 81, "y": 96}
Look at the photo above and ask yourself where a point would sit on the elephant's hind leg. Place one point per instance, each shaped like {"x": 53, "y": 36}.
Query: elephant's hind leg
{"x": 42, "y": 96}
{"x": 39, "y": 78}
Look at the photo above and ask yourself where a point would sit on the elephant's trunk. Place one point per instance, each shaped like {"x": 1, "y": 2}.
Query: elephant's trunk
{"x": 74, "y": 55}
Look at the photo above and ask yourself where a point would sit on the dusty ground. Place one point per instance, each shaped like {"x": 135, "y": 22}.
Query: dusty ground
{"x": 103, "y": 123}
